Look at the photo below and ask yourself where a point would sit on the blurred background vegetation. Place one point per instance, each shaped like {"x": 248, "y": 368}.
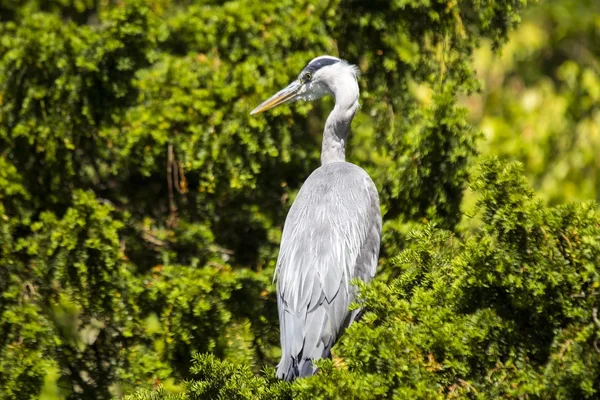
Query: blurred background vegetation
{"x": 141, "y": 206}
{"x": 540, "y": 103}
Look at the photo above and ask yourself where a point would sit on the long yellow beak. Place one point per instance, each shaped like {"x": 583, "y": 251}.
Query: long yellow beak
{"x": 283, "y": 96}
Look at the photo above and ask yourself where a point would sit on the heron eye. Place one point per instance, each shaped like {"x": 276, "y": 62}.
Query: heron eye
{"x": 307, "y": 77}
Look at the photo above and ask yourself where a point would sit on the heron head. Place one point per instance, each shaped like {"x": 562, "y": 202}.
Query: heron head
{"x": 316, "y": 80}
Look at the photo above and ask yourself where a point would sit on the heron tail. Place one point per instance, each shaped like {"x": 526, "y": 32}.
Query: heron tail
{"x": 290, "y": 369}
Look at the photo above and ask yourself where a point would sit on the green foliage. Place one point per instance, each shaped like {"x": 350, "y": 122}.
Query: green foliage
{"x": 215, "y": 379}
{"x": 541, "y": 104}
{"x": 141, "y": 206}
{"x": 59, "y": 268}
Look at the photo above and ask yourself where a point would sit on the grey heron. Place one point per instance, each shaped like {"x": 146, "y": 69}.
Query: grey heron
{"x": 332, "y": 232}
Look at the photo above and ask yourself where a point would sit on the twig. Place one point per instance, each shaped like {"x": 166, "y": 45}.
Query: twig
{"x": 148, "y": 237}
{"x": 172, "y": 205}
{"x": 175, "y": 171}
{"x": 182, "y": 182}
{"x": 597, "y": 322}
{"x": 564, "y": 348}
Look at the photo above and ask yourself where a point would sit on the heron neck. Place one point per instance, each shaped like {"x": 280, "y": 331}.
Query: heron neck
{"x": 337, "y": 127}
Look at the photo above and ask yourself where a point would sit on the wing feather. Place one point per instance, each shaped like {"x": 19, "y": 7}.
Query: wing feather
{"x": 332, "y": 229}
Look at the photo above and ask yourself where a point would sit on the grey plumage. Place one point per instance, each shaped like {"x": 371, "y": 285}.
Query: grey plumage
{"x": 332, "y": 232}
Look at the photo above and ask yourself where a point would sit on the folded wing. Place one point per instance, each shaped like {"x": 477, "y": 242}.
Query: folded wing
{"x": 331, "y": 235}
